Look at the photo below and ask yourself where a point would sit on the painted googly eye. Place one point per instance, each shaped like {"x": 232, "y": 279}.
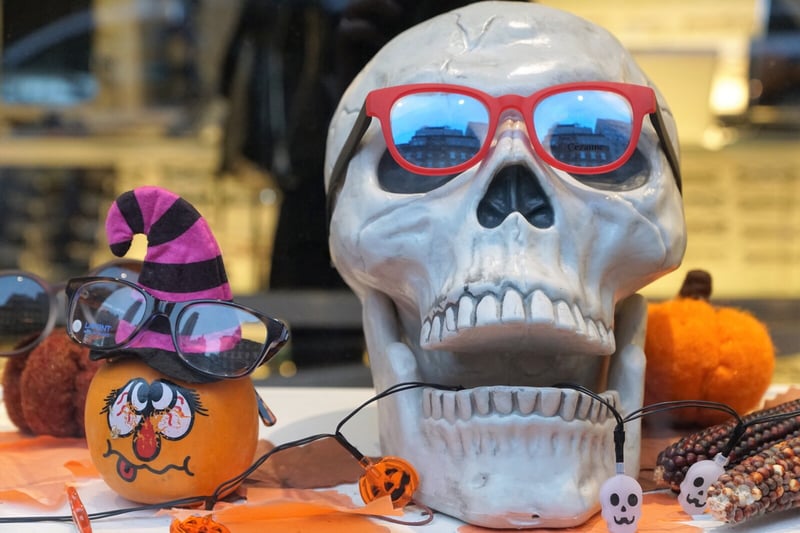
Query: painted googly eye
{"x": 139, "y": 395}
{"x": 123, "y": 417}
{"x": 175, "y": 422}
{"x": 161, "y": 396}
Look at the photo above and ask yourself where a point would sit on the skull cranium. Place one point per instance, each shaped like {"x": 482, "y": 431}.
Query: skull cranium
{"x": 506, "y": 278}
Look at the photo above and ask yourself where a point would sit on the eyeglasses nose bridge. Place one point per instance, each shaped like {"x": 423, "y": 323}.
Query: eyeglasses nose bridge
{"x": 511, "y": 125}
{"x": 161, "y": 309}
{"x": 510, "y": 109}
{"x": 511, "y": 119}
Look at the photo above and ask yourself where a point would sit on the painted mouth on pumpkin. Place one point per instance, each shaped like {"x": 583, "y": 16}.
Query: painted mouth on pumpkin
{"x": 127, "y": 471}
{"x": 448, "y": 325}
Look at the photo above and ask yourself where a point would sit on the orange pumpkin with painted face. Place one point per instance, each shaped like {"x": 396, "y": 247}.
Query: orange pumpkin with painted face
{"x": 155, "y": 439}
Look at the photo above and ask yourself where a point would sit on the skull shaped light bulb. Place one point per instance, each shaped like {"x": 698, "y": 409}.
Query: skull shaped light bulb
{"x": 621, "y": 503}
{"x": 694, "y": 487}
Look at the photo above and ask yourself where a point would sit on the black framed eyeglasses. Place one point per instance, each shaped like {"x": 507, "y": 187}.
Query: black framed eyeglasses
{"x": 30, "y": 306}
{"x": 217, "y": 338}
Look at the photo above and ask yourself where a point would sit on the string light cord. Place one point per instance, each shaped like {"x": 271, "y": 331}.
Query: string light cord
{"x": 741, "y": 428}
{"x": 619, "y": 428}
{"x": 227, "y": 486}
{"x": 660, "y": 407}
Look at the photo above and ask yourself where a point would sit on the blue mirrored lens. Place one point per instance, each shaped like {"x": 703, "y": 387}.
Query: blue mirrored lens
{"x": 438, "y": 130}
{"x": 585, "y": 128}
{"x": 24, "y": 311}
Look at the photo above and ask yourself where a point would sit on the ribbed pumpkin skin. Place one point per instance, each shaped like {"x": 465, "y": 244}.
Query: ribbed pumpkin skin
{"x": 698, "y": 351}
{"x": 155, "y": 439}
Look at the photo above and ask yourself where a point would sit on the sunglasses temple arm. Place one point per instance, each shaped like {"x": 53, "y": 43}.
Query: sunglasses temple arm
{"x": 264, "y": 412}
{"x": 348, "y": 150}
{"x": 666, "y": 143}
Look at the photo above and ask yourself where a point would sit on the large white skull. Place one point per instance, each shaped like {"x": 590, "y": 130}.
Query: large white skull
{"x": 513, "y": 299}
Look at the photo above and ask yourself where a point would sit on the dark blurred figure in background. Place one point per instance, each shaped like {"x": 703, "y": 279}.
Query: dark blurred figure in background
{"x": 289, "y": 61}
{"x": 288, "y": 64}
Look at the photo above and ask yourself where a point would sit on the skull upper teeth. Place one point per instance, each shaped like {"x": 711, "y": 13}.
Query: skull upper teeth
{"x": 512, "y": 307}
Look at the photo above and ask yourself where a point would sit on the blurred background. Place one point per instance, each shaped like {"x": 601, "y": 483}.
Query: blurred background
{"x": 227, "y": 102}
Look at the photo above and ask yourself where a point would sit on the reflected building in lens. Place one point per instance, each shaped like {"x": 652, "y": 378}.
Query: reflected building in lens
{"x": 583, "y": 146}
{"x": 441, "y": 146}
{"x": 24, "y": 317}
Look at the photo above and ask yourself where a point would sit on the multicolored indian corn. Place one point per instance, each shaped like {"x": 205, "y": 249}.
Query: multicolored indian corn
{"x": 766, "y": 482}
{"x": 673, "y": 462}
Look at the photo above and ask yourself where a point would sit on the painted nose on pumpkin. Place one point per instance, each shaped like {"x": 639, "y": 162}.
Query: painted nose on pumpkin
{"x": 146, "y": 440}
{"x": 515, "y": 189}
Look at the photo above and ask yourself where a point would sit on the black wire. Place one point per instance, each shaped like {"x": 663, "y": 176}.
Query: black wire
{"x": 741, "y": 428}
{"x": 229, "y": 485}
{"x": 619, "y": 429}
{"x": 661, "y": 407}
{"x": 619, "y": 438}
{"x": 400, "y": 387}
{"x": 593, "y": 394}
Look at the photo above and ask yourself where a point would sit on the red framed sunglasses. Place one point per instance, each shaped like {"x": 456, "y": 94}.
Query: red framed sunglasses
{"x": 436, "y": 129}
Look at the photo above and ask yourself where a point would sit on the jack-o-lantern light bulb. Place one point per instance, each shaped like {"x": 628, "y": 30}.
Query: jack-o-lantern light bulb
{"x": 173, "y": 413}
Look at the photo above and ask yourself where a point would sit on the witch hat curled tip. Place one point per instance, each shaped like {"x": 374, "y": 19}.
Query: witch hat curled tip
{"x": 183, "y": 260}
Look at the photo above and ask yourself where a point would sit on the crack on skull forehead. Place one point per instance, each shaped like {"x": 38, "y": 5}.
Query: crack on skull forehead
{"x": 471, "y": 43}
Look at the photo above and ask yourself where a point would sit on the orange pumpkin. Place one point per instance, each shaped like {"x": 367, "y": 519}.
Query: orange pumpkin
{"x": 155, "y": 439}
{"x": 698, "y": 351}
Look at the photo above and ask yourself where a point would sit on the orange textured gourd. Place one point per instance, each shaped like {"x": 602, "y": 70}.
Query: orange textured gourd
{"x": 698, "y": 351}
{"x": 154, "y": 439}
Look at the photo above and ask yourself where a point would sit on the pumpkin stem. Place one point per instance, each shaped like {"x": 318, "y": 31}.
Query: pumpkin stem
{"x": 697, "y": 285}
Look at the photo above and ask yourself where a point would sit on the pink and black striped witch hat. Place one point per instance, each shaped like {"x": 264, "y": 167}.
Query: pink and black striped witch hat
{"x": 183, "y": 262}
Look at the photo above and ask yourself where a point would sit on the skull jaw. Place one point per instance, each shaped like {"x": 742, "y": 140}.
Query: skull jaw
{"x": 512, "y": 471}
{"x": 506, "y": 456}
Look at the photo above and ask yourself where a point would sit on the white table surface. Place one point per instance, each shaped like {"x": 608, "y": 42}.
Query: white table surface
{"x": 301, "y": 411}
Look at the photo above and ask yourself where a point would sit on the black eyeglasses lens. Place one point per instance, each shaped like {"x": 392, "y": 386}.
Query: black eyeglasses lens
{"x": 219, "y": 339}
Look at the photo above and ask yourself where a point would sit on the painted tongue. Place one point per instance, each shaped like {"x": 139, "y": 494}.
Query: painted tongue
{"x": 125, "y": 469}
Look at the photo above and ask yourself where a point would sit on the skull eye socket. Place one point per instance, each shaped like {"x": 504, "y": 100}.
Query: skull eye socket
{"x": 633, "y": 500}
{"x": 394, "y": 178}
{"x": 698, "y": 482}
{"x": 631, "y": 175}
{"x": 614, "y": 499}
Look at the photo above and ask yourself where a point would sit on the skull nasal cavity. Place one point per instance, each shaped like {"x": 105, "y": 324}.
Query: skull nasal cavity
{"x": 515, "y": 189}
